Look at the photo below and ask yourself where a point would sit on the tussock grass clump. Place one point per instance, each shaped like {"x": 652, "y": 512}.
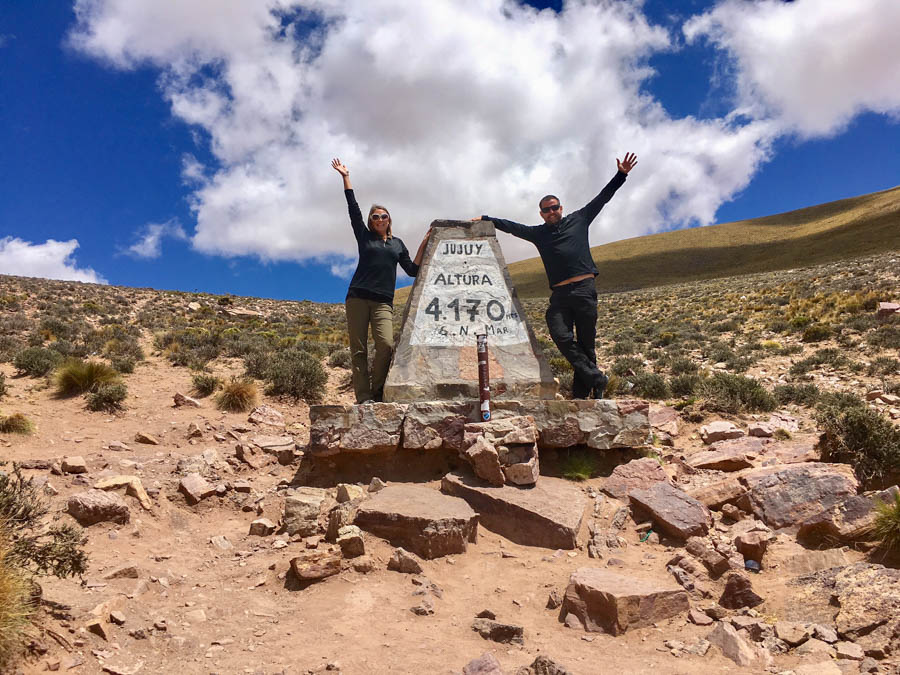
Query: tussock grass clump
{"x": 36, "y": 361}
{"x": 855, "y": 434}
{"x": 237, "y": 395}
{"x": 340, "y": 358}
{"x": 297, "y": 373}
{"x": 816, "y": 332}
{"x": 3, "y": 387}
{"x": 15, "y": 603}
{"x": 729, "y": 393}
{"x": 206, "y": 383}
{"x": 107, "y": 397}
{"x": 801, "y": 394}
{"x": 76, "y": 377}
{"x": 886, "y": 528}
{"x": 579, "y": 465}
{"x": 16, "y": 423}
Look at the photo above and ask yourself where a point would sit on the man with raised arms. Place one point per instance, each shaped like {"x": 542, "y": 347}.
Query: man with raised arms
{"x": 562, "y": 242}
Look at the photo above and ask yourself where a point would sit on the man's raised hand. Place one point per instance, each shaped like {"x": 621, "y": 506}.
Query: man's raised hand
{"x": 627, "y": 164}
{"x": 340, "y": 168}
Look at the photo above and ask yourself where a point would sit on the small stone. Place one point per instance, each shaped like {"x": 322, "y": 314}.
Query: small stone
{"x": 347, "y": 492}
{"x": 96, "y": 627}
{"x": 262, "y": 527}
{"x": 196, "y": 616}
{"x": 196, "y": 488}
{"x": 376, "y": 484}
{"x": 825, "y": 633}
{"x": 74, "y": 464}
{"x": 486, "y": 664}
{"x": 499, "y": 632}
{"x": 220, "y": 541}
{"x": 363, "y": 564}
{"x": 849, "y": 651}
{"x": 117, "y": 618}
{"x": 351, "y": 541}
{"x": 554, "y": 600}
{"x": 266, "y": 414}
{"x": 194, "y": 431}
{"x": 700, "y": 618}
{"x": 315, "y": 565}
{"x": 424, "y": 608}
{"x": 814, "y": 646}
{"x": 96, "y": 506}
{"x": 572, "y": 621}
{"x": 739, "y": 592}
{"x": 719, "y": 431}
{"x": 795, "y": 634}
{"x": 736, "y": 648}
{"x": 147, "y": 439}
{"x": 732, "y": 512}
{"x": 127, "y": 572}
{"x": 405, "y": 562}
{"x": 182, "y": 401}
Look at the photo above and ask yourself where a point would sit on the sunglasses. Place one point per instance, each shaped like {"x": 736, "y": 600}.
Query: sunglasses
{"x": 379, "y": 216}
{"x": 552, "y": 207}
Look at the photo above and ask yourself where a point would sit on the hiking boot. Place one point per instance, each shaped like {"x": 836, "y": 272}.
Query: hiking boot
{"x": 600, "y": 383}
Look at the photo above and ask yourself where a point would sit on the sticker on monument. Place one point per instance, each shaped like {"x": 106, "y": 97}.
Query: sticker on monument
{"x": 464, "y": 294}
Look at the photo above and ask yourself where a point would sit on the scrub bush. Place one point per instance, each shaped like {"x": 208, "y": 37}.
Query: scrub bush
{"x": 107, "y": 397}
{"x": 340, "y": 358}
{"x": 205, "y": 384}
{"x": 649, "y": 385}
{"x": 297, "y": 373}
{"x": 801, "y": 394}
{"x": 685, "y": 384}
{"x": 36, "y": 361}
{"x": 729, "y": 393}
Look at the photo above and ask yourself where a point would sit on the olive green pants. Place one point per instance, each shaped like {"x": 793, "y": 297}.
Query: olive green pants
{"x": 361, "y": 314}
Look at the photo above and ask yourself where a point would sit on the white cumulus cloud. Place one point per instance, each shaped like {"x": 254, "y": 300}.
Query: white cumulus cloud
{"x": 50, "y": 260}
{"x": 448, "y": 109}
{"x": 812, "y": 65}
{"x": 149, "y": 243}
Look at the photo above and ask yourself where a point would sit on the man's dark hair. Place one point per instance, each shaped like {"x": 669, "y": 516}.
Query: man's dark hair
{"x": 545, "y": 198}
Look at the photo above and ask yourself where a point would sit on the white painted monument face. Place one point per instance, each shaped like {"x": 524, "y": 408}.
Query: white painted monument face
{"x": 465, "y": 293}
{"x": 462, "y": 289}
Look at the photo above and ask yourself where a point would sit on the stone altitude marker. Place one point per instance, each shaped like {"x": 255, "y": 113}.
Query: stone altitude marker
{"x": 463, "y": 288}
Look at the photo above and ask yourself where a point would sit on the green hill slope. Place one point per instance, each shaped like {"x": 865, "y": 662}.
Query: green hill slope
{"x": 817, "y": 234}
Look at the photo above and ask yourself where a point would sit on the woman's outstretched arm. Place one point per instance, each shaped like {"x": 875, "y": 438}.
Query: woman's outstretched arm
{"x": 356, "y": 219}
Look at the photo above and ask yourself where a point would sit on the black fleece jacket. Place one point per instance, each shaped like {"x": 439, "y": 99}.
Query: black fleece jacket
{"x": 564, "y": 247}
{"x": 376, "y": 272}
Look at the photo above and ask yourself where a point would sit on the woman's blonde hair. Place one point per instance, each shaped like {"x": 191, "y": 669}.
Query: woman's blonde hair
{"x": 373, "y": 209}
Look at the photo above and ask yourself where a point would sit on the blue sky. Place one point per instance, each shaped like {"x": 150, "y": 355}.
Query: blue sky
{"x": 110, "y": 137}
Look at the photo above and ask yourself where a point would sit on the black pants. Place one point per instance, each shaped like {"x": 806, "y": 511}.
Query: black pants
{"x": 575, "y": 305}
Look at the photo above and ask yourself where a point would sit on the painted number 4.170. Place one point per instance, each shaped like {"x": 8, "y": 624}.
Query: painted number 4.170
{"x": 493, "y": 309}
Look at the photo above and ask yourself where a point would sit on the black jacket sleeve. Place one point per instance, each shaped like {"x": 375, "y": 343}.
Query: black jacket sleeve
{"x": 408, "y": 265}
{"x": 593, "y": 207}
{"x": 525, "y": 232}
{"x": 356, "y": 219}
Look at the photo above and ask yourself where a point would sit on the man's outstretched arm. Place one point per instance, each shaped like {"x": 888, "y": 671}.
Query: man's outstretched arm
{"x": 519, "y": 230}
{"x": 593, "y": 207}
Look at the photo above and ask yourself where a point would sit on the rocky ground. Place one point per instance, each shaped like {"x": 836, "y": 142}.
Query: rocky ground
{"x": 207, "y": 557}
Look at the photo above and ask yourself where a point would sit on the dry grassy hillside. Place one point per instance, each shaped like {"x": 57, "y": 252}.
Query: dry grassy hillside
{"x": 818, "y": 234}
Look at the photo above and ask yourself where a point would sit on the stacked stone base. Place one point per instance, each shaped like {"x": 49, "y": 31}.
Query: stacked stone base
{"x": 385, "y": 428}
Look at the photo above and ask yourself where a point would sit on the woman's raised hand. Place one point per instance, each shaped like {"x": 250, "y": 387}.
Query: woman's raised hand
{"x": 340, "y": 168}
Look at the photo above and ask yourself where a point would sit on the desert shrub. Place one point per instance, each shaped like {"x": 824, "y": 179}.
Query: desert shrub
{"x": 857, "y": 435}
{"x": 684, "y": 384}
{"x": 123, "y": 347}
{"x": 778, "y": 326}
{"x": 256, "y": 364}
{"x": 9, "y": 347}
{"x": 729, "y": 393}
{"x": 822, "y": 357}
{"x": 815, "y": 332}
{"x": 16, "y": 423}
{"x": 719, "y": 352}
{"x": 36, "y": 361}
{"x": 801, "y": 394}
{"x": 297, "y": 373}
{"x": 107, "y": 397}
{"x": 626, "y": 365}
{"x": 52, "y": 327}
{"x": 683, "y": 365}
{"x": 579, "y": 465}
{"x": 886, "y": 527}
{"x": 886, "y": 337}
{"x": 340, "y": 358}
{"x": 314, "y": 347}
{"x": 206, "y": 383}
{"x": 76, "y": 377}
{"x": 790, "y": 350}
{"x": 558, "y": 364}
{"x": 624, "y": 348}
{"x": 727, "y": 326}
{"x": 799, "y": 322}
{"x": 3, "y": 387}
{"x": 664, "y": 339}
{"x": 34, "y": 546}
{"x": 883, "y": 366}
{"x": 237, "y": 395}
{"x": 649, "y": 385}
{"x": 771, "y": 346}
{"x": 123, "y": 364}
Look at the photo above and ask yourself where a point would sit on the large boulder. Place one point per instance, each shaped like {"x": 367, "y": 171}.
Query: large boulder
{"x": 312, "y": 566}
{"x": 637, "y": 474}
{"x": 604, "y": 601}
{"x": 782, "y": 496}
{"x": 674, "y": 511}
{"x": 869, "y": 599}
{"x": 302, "y": 509}
{"x": 743, "y": 652}
{"x": 848, "y": 521}
{"x": 548, "y": 514}
{"x": 97, "y": 506}
{"x": 420, "y": 519}
{"x": 435, "y": 425}
{"x": 600, "y": 424}
{"x": 720, "y": 430}
{"x": 729, "y": 455}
